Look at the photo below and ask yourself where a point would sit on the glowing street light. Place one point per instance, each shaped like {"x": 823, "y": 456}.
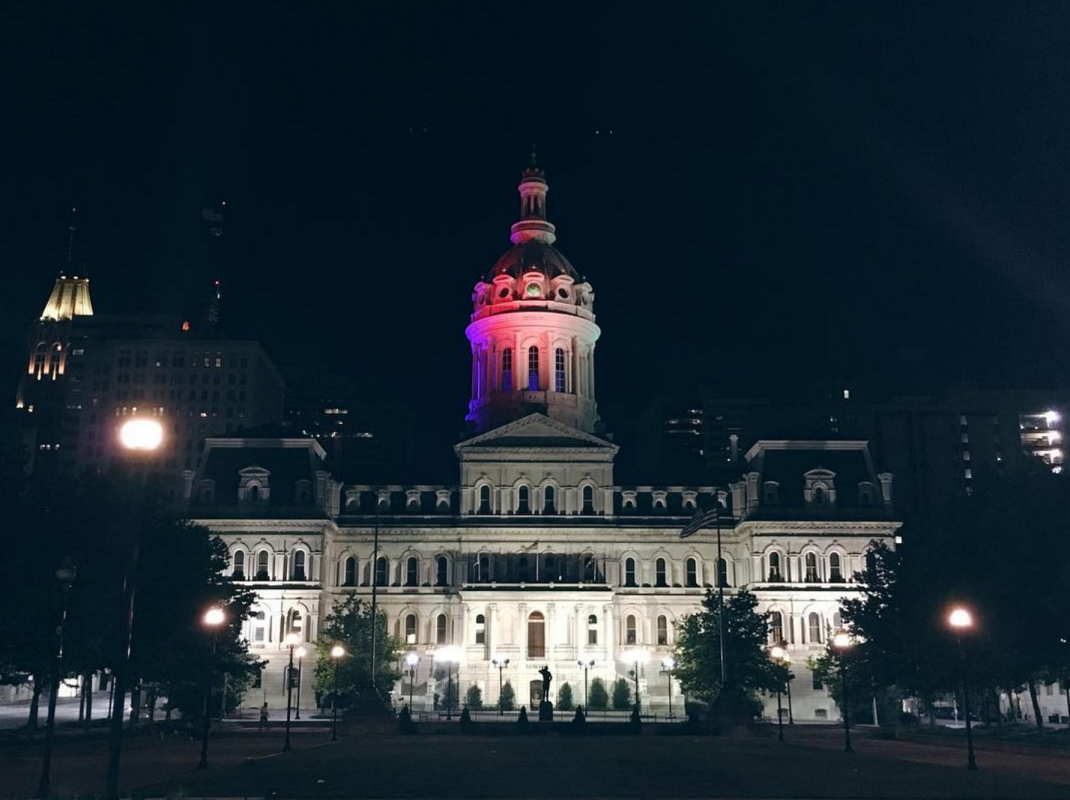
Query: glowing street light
{"x": 501, "y": 662}
{"x": 781, "y": 659}
{"x": 291, "y": 641}
{"x": 141, "y": 433}
{"x": 337, "y": 654}
{"x": 636, "y": 657}
{"x": 411, "y": 660}
{"x": 449, "y": 655}
{"x": 586, "y": 663}
{"x": 961, "y": 620}
{"x": 668, "y": 664}
{"x": 213, "y": 618}
{"x": 300, "y": 652}
{"x": 842, "y": 643}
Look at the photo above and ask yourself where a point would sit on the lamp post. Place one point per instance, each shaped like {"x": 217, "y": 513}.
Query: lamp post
{"x": 140, "y": 437}
{"x": 668, "y": 664}
{"x": 300, "y": 652}
{"x": 586, "y": 663}
{"x": 790, "y": 677}
{"x": 501, "y": 663}
{"x": 636, "y": 656}
{"x": 213, "y": 618}
{"x": 842, "y": 643}
{"x": 449, "y": 655}
{"x": 65, "y": 575}
{"x": 375, "y": 591}
{"x": 780, "y": 661}
{"x": 411, "y": 660}
{"x": 337, "y": 653}
{"x": 960, "y": 619}
{"x": 291, "y": 641}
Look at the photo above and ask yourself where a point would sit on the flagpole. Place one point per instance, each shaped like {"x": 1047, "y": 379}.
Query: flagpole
{"x": 720, "y": 592}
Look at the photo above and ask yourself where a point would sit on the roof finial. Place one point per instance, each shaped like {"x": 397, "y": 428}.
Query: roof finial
{"x": 71, "y": 229}
{"x": 534, "y": 163}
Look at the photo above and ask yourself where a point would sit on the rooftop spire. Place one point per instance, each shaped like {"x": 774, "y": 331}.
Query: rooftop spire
{"x": 533, "y": 189}
{"x": 71, "y": 230}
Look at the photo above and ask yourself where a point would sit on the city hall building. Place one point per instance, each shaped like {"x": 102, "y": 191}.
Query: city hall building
{"x": 537, "y": 553}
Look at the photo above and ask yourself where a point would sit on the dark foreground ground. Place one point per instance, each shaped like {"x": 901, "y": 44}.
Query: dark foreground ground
{"x": 810, "y": 765}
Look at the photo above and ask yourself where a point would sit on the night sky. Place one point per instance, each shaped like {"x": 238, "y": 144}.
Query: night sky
{"x": 782, "y": 190}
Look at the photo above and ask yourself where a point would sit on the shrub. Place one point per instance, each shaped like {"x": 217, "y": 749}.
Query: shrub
{"x": 622, "y": 695}
{"x": 473, "y": 698}
{"x": 564, "y": 697}
{"x": 508, "y": 699}
{"x": 599, "y": 697}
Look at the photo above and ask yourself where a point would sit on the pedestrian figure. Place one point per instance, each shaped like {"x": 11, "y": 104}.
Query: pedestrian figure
{"x": 263, "y": 716}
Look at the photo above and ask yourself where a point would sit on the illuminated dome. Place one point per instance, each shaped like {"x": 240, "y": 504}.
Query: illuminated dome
{"x": 533, "y": 256}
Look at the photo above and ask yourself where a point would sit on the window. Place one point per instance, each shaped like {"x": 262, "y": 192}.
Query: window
{"x": 262, "y": 566}
{"x": 590, "y": 569}
{"x": 548, "y": 506}
{"x": 523, "y": 500}
{"x": 412, "y": 571}
{"x": 588, "y": 499}
{"x": 811, "y": 568}
{"x": 722, "y": 573}
{"x": 774, "y": 568}
{"x": 259, "y": 626}
{"x": 776, "y": 627}
{"x": 835, "y": 568}
{"x": 592, "y": 629}
{"x": 536, "y": 635}
{"x": 440, "y": 629}
{"x": 238, "y": 573}
{"x": 382, "y": 572}
{"x": 817, "y": 686}
{"x": 837, "y": 621}
{"x": 441, "y": 571}
{"x": 481, "y": 629}
{"x": 659, "y": 572}
{"x": 507, "y": 369}
{"x": 814, "y": 621}
{"x": 410, "y": 629}
{"x": 630, "y": 636}
{"x": 253, "y": 493}
{"x": 663, "y": 629}
{"x": 484, "y": 499}
{"x": 298, "y": 566}
{"x": 483, "y": 569}
{"x": 296, "y": 625}
{"x": 819, "y": 496}
{"x": 559, "y": 370}
{"x": 533, "y": 369}
{"x": 691, "y": 573}
{"x": 349, "y": 572}
{"x": 629, "y": 572}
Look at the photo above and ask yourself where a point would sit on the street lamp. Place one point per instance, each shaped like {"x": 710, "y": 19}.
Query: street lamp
{"x": 501, "y": 663}
{"x": 842, "y": 643}
{"x": 668, "y": 664}
{"x": 140, "y": 437}
{"x": 337, "y": 653}
{"x": 449, "y": 655}
{"x": 300, "y": 652}
{"x": 291, "y": 641}
{"x": 411, "y": 660}
{"x": 65, "y": 575}
{"x": 960, "y": 619}
{"x": 780, "y": 660}
{"x": 586, "y": 663}
{"x": 636, "y": 656}
{"x": 213, "y": 618}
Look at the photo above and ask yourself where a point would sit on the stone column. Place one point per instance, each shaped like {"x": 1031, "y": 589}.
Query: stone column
{"x": 608, "y": 632}
{"x": 462, "y": 634}
{"x": 551, "y": 631}
{"x": 492, "y": 629}
{"x": 580, "y": 626}
{"x": 522, "y": 634}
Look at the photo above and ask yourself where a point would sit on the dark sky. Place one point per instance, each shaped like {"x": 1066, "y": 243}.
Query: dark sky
{"x": 873, "y": 192}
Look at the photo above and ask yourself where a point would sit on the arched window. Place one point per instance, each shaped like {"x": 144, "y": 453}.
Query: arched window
{"x": 40, "y": 355}
{"x": 837, "y": 621}
{"x": 382, "y": 572}
{"x": 522, "y": 570}
{"x": 692, "y": 573}
{"x": 259, "y": 626}
{"x": 811, "y": 568}
{"x": 814, "y": 623}
{"x": 298, "y": 566}
{"x": 523, "y": 500}
{"x": 296, "y": 625}
{"x": 481, "y": 629}
{"x": 722, "y": 573}
{"x": 483, "y": 569}
{"x": 629, "y": 572}
{"x": 533, "y": 369}
{"x": 774, "y": 568}
{"x": 262, "y": 573}
{"x": 536, "y": 635}
{"x": 819, "y": 496}
{"x": 410, "y": 629}
{"x": 548, "y": 505}
{"x": 238, "y": 572}
{"x": 776, "y": 627}
{"x": 253, "y": 493}
{"x": 630, "y": 635}
{"x": 588, "y": 499}
{"x": 659, "y": 573}
{"x": 559, "y": 370}
{"x": 507, "y": 369}
{"x": 349, "y": 572}
{"x": 484, "y": 499}
{"x": 590, "y": 569}
{"x": 442, "y": 576}
{"x": 412, "y": 571}
{"x": 440, "y": 629}
{"x": 663, "y": 629}
{"x": 835, "y": 568}
{"x": 592, "y": 629}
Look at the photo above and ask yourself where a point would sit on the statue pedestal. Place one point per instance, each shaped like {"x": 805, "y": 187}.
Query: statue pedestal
{"x": 546, "y": 711}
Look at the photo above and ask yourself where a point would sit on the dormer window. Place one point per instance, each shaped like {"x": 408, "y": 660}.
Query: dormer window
{"x": 660, "y": 500}
{"x": 532, "y": 290}
{"x": 206, "y": 491}
{"x": 690, "y": 500}
{"x": 628, "y": 499}
{"x": 866, "y": 494}
{"x": 353, "y": 501}
{"x": 819, "y": 489}
{"x": 303, "y": 491}
{"x": 253, "y": 485}
{"x": 771, "y": 493}
{"x": 412, "y": 500}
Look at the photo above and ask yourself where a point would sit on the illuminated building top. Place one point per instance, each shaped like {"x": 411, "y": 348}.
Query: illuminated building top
{"x": 69, "y": 299}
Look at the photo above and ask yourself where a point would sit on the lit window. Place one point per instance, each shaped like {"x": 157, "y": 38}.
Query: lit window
{"x": 440, "y": 629}
{"x": 630, "y": 635}
{"x": 559, "y": 370}
{"x": 815, "y": 627}
{"x": 663, "y": 630}
{"x": 410, "y": 629}
{"x": 481, "y": 629}
{"x": 776, "y": 628}
{"x": 592, "y": 629}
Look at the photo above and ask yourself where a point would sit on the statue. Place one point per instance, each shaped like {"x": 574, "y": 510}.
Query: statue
{"x": 546, "y": 708}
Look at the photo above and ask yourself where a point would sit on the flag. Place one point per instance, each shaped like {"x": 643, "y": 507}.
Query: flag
{"x": 702, "y": 519}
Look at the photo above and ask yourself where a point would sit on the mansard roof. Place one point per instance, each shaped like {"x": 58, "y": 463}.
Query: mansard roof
{"x": 787, "y": 463}
{"x": 285, "y": 461}
{"x": 536, "y": 431}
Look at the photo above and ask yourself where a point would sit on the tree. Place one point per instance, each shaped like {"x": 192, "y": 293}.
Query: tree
{"x": 746, "y": 632}
{"x": 622, "y": 695}
{"x": 508, "y": 698}
{"x": 564, "y": 697}
{"x": 449, "y": 697}
{"x": 349, "y": 623}
{"x": 473, "y": 698}
{"x": 599, "y": 697}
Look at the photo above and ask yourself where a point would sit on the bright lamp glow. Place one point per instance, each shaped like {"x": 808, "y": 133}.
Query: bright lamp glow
{"x": 300, "y": 652}
{"x": 778, "y": 653}
{"x": 450, "y": 654}
{"x": 411, "y": 660}
{"x": 960, "y": 618}
{"x": 841, "y": 641}
{"x": 668, "y": 663}
{"x": 292, "y": 640}
{"x": 1051, "y": 416}
{"x": 636, "y": 656}
{"x": 337, "y": 651}
{"x": 214, "y": 616}
{"x": 141, "y": 434}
